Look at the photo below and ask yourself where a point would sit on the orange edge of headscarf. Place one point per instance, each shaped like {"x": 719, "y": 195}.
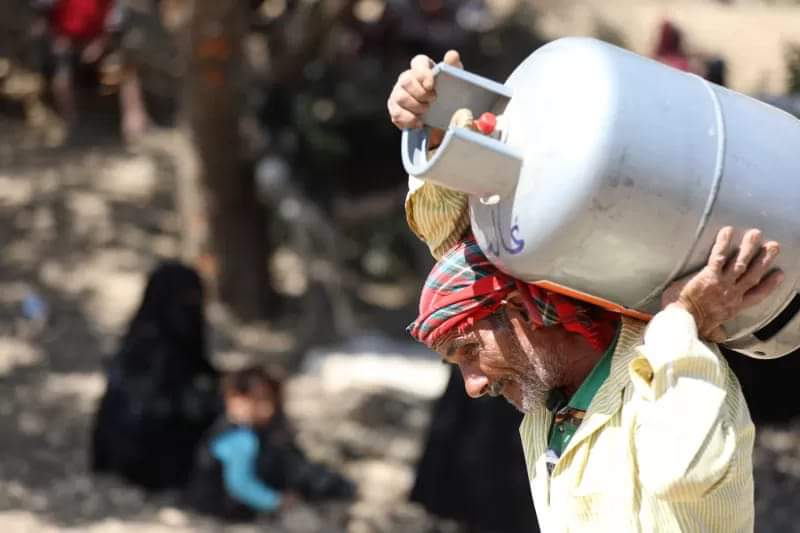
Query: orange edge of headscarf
{"x": 608, "y": 305}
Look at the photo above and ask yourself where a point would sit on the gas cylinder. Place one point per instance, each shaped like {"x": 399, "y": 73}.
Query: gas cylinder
{"x": 610, "y": 174}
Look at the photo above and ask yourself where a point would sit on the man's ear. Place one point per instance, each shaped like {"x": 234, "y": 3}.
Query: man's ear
{"x": 518, "y": 318}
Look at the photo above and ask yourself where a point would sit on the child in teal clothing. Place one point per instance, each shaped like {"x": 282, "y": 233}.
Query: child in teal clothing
{"x": 249, "y": 463}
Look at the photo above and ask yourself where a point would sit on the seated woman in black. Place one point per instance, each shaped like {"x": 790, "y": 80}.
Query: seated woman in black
{"x": 161, "y": 395}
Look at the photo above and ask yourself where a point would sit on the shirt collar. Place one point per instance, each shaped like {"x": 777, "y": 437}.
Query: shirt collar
{"x": 556, "y": 399}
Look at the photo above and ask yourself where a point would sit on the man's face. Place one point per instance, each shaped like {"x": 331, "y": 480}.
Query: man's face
{"x": 516, "y": 360}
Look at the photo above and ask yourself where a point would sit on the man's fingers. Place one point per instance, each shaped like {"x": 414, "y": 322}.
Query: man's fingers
{"x": 403, "y": 119}
{"x": 409, "y": 103}
{"x": 404, "y": 108}
{"x": 751, "y": 244}
{"x": 422, "y": 67}
{"x": 411, "y": 83}
{"x": 453, "y": 58}
{"x": 760, "y": 292}
{"x": 719, "y": 252}
{"x": 760, "y": 265}
{"x": 716, "y": 335}
{"x": 421, "y": 61}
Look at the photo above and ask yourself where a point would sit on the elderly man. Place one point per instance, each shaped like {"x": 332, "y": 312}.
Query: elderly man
{"x": 628, "y": 426}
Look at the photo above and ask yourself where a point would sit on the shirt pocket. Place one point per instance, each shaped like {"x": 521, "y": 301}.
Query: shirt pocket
{"x": 598, "y": 511}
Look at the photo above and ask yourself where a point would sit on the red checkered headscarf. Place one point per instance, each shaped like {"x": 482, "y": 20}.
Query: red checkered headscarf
{"x": 465, "y": 287}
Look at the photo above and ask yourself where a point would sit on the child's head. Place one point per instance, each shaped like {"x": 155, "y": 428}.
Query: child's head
{"x": 252, "y": 396}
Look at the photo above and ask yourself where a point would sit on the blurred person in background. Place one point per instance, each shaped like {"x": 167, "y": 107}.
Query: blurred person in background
{"x": 249, "y": 464}
{"x": 86, "y": 32}
{"x": 161, "y": 395}
{"x": 225, "y": 481}
{"x": 627, "y": 427}
{"x": 670, "y": 49}
{"x": 472, "y": 468}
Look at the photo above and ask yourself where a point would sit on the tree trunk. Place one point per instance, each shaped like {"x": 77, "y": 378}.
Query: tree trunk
{"x": 224, "y": 227}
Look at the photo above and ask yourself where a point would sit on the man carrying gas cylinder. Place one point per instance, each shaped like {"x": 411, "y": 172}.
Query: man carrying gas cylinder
{"x": 628, "y": 426}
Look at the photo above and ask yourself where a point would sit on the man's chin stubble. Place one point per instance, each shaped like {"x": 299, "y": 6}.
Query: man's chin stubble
{"x": 531, "y": 397}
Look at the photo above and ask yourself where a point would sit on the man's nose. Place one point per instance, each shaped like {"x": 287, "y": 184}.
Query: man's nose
{"x": 476, "y": 383}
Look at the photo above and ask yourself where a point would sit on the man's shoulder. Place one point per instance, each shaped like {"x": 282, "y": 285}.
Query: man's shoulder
{"x": 735, "y": 403}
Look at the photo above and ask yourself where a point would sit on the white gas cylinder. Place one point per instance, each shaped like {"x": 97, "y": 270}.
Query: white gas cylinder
{"x": 612, "y": 174}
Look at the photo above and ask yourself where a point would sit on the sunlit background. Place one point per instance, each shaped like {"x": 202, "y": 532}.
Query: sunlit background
{"x": 251, "y": 141}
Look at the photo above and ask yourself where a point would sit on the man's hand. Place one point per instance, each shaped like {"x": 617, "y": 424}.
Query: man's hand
{"x": 724, "y": 287}
{"x": 414, "y": 92}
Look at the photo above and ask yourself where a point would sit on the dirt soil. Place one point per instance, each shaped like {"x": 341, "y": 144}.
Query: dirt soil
{"x": 80, "y": 228}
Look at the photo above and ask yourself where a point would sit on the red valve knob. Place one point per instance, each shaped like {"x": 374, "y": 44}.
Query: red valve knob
{"x": 486, "y": 123}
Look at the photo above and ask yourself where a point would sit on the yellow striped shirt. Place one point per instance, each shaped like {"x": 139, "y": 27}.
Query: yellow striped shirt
{"x": 666, "y": 444}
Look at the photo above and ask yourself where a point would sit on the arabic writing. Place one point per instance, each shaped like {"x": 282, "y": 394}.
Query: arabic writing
{"x": 511, "y": 243}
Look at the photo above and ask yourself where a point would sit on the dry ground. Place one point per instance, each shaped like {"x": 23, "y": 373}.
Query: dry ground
{"x": 80, "y": 227}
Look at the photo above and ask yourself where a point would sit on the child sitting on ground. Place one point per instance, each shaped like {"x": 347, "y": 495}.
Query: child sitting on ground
{"x": 249, "y": 463}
